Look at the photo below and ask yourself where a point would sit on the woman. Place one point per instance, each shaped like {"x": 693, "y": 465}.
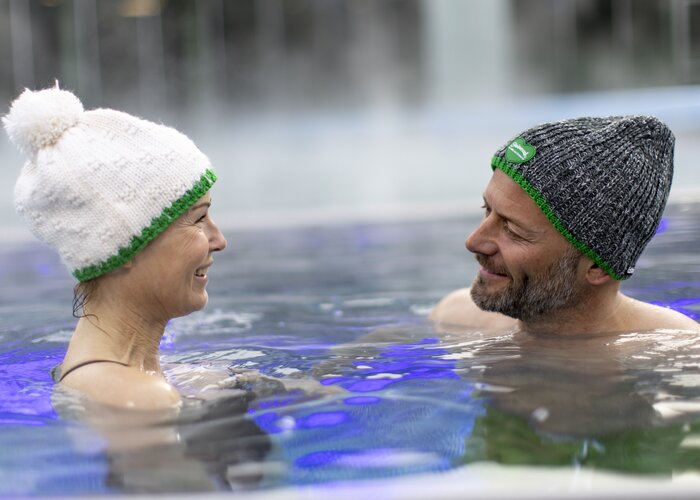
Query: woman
{"x": 126, "y": 204}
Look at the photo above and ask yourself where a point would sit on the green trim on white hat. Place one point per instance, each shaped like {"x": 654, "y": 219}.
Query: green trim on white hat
{"x": 149, "y": 233}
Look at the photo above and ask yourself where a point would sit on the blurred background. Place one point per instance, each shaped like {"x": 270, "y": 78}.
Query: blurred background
{"x": 331, "y": 110}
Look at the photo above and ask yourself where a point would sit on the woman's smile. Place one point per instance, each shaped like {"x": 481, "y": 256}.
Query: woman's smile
{"x": 201, "y": 272}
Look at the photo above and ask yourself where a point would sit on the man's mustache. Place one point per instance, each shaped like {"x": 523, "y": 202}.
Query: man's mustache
{"x": 489, "y": 265}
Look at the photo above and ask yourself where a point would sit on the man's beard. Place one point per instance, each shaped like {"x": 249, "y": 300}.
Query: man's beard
{"x": 536, "y": 295}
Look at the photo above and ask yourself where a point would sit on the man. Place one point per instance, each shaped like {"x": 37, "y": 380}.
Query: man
{"x": 569, "y": 209}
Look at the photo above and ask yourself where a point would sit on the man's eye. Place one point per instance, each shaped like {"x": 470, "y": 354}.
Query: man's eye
{"x": 201, "y": 219}
{"x": 509, "y": 231}
{"x": 486, "y": 209}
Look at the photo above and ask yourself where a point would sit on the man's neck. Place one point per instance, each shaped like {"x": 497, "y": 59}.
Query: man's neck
{"x": 600, "y": 311}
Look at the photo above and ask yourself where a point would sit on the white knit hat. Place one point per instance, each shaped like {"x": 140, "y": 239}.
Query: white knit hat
{"x": 100, "y": 185}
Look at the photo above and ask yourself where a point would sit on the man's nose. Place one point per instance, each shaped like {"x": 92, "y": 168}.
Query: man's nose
{"x": 482, "y": 239}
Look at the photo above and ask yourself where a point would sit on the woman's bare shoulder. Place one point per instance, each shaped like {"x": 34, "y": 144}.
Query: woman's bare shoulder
{"x": 123, "y": 387}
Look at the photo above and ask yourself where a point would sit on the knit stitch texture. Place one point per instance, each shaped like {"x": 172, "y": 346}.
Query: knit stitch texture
{"x": 100, "y": 185}
{"x": 602, "y": 182}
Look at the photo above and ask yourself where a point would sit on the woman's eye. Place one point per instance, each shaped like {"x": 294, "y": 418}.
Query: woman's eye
{"x": 201, "y": 219}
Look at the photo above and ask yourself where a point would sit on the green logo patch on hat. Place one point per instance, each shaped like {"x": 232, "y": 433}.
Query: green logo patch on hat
{"x": 520, "y": 151}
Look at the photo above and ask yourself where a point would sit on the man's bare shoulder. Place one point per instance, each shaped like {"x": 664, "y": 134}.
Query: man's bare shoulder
{"x": 645, "y": 316}
{"x": 458, "y": 308}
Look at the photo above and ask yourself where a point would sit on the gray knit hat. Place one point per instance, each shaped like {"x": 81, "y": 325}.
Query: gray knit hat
{"x": 602, "y": 182}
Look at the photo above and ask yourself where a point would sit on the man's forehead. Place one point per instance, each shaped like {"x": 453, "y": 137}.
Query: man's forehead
{"x": 507, "y": 198}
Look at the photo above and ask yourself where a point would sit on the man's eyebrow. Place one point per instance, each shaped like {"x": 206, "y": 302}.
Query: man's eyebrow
{"x": 520, "y": 224}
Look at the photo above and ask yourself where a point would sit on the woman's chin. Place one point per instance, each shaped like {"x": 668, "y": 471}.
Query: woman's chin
{"x": 202, "y": 301}
{"x": 196, "y": 303}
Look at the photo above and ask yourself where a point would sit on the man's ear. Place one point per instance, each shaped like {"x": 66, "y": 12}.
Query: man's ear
{"x": 596, "y": 276}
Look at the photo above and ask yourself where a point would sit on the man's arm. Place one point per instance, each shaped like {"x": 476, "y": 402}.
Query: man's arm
{"x": 458, "y": 308}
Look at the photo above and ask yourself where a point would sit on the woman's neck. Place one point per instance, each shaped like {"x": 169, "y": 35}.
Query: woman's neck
{"x": 118, "y": 332}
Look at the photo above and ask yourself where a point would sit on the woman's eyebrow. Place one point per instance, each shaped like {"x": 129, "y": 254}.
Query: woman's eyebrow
{"x": 200, "y": 205}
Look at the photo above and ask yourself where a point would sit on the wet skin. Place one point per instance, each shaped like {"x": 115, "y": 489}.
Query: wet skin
{"x": 516, "y": 243}
{"x": 126, "y": 316}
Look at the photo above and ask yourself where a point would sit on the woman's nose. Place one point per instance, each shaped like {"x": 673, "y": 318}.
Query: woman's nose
{"x": 217, "y": 241}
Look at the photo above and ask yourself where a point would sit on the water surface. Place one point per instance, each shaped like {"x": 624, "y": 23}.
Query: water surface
{"x": 393, "y": 397}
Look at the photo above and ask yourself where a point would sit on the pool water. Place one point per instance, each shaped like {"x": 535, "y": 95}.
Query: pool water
{"x": 342, "y": 310}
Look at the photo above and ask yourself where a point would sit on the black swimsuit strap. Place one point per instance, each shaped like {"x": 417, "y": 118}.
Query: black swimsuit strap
{"x": 84, "y": 363}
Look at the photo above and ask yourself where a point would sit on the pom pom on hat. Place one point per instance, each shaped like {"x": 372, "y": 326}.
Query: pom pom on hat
{"x": 99, "y": 185}
{"x": 38, "y": 119}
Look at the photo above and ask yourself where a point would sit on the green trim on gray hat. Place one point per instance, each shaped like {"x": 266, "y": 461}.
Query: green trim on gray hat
{"x": 148, "y": 234}
{"x": 603, "y": 182}
{"x": 501, "y": 164}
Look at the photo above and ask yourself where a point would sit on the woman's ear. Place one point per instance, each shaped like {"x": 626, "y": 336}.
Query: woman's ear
{"x": 596, "y": 276}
